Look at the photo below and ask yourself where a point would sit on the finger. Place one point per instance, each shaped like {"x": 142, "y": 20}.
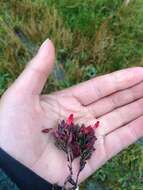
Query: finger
{"x": 113, "y": 143}
{"x": 116, "y": 100}
{"x": 123, "y": 137}
{"x": 120, "y": 117}
{"x": 33, "y": 78}
{"x": 99, "y": 87}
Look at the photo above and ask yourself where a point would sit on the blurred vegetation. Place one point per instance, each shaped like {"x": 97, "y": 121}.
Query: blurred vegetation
{"x": 92, "y": 37}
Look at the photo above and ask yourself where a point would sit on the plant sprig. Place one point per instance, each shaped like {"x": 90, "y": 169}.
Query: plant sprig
{"x": 77, "y": 142}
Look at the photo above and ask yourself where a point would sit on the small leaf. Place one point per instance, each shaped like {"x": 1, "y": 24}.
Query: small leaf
{"x": 46, "y": 130}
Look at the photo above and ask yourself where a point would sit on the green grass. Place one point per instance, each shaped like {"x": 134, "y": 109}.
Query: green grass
{"x": 92, "y": 37}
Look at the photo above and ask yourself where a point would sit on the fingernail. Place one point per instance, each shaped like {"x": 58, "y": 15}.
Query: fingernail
{"x": 43, "y": 44}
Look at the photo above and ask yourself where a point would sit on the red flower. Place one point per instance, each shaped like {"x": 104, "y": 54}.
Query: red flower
{"x": 96, "y": 125}
{"x": 70, "y": 120}
{"x": 88, "y": 130}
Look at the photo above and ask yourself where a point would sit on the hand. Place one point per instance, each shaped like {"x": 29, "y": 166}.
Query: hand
{"x": 114, "y": 99}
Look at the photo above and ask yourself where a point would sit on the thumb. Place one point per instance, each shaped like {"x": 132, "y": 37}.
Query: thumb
{"x": 34, "y": 76}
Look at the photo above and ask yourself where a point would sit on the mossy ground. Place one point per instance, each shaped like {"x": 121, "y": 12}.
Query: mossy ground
{"x": 92, "y": 37}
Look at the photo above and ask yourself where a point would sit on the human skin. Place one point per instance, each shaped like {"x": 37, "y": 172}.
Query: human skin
{"x": 116, "y": 100}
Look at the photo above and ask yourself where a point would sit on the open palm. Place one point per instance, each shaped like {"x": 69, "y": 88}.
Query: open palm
{"x": 115, "y": 99}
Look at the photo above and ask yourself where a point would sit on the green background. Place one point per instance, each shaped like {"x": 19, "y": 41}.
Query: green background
{"x": 92, "y": 37}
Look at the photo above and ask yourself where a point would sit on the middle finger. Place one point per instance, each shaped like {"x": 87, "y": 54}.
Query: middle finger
{"x": 120, "y": 117}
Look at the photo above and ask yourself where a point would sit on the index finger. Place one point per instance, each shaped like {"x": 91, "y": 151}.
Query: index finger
{"x": 99, "y": 87}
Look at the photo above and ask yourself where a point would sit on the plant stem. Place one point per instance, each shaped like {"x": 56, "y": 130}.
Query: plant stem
{"x": 77, "y": 178}
{"x": 69, "y": 159}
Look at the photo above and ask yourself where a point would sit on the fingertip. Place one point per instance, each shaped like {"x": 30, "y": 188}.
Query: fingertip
{"x": 47, "y": 48}
{"x": 46, "y": 55}
{"x": 136, "y": 73}
{"x": 34, "y": 76}
{"x": 137, "y": 70}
